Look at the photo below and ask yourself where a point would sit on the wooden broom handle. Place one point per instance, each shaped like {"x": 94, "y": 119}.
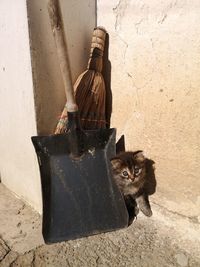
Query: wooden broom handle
{"x": 61, "y": 47}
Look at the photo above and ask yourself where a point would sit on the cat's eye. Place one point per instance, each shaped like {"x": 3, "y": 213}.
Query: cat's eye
{"x": 137, "y": 170}
{"x": 125, "y": 173}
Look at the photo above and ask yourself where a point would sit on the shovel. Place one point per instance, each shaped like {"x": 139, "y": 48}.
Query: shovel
{"x": 79, "y": 195}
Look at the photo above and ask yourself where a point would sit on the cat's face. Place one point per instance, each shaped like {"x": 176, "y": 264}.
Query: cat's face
{"x": 129, "y": 168}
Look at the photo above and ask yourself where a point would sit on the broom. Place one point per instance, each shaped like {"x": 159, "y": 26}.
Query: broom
{"x": 90, "y": 93}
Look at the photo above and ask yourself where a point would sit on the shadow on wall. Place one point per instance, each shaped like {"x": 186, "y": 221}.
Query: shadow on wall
{"x": 149, "y": 189}
{"x": 106, "y": 72}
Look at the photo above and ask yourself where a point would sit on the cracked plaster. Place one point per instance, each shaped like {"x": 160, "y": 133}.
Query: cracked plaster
{"x": 154, "y": 52}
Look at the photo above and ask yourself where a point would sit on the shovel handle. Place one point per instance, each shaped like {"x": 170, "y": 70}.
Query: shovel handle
{"x": 61, "y": 47}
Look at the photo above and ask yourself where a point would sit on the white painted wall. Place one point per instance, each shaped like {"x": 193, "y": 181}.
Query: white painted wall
{"x": 31, "y": 89}
{"x": 18, "y": 165}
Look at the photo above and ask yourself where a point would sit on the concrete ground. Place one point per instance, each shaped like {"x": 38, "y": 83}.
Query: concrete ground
{"x": 166, "y": 239}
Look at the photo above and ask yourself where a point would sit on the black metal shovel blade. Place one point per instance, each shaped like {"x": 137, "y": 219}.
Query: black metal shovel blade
{"x": 80, "y": 197}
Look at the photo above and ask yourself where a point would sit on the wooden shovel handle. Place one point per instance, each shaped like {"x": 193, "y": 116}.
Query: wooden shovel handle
{"x": 61, "y": 47}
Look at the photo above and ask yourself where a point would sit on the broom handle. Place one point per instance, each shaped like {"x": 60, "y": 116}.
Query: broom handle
{"x": 61, "y": 47}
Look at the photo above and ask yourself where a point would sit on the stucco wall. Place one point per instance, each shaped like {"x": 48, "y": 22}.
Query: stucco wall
{"x": 155, "y": 56}
{"x": 18, "y": 165}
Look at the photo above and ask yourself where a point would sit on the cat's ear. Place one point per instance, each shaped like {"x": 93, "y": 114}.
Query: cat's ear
{"x": 139, "y": 156}
{"x": 116, "y": 163}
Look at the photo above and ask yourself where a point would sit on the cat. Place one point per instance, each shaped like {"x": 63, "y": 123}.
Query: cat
{"x": 129, "y": 173}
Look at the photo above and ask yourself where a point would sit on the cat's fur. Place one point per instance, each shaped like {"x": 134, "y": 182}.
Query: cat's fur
{"x": 129, "y": 172}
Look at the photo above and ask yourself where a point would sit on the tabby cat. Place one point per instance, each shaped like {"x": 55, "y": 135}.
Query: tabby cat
{"x": 129, "y": 172}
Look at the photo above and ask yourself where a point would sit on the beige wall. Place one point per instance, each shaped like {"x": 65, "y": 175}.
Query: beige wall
{"x": 155, "y": 56}
{"x": 18, "y": 164}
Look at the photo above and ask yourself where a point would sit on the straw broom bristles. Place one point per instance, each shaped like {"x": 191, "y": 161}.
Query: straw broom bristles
{"x": 90, "y": 93}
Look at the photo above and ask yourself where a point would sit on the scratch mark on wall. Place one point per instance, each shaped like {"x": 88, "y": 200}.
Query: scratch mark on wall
{"x": 125, "y": 47}
{"x": 119, "y": 10}
{"x": 162, "y": 19}
{"x": 137, "y": 24}
{"x": 167, "y": 9}
{"x": 148, "y": 81}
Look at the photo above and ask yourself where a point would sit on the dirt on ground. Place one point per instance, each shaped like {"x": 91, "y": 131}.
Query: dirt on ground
{"x": 166, "y": 239}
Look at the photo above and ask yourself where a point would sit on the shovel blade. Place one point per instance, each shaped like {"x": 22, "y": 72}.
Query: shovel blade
{"x": 80, "y": 197}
